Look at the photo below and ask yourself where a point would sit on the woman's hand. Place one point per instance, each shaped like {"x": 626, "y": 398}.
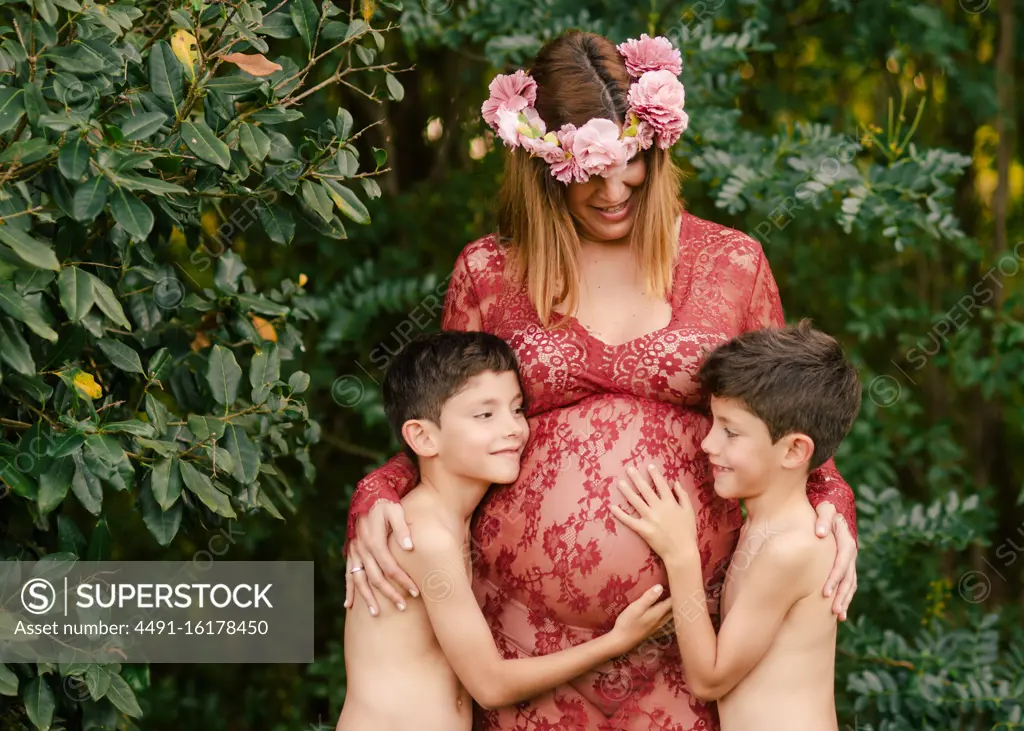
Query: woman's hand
{"x": 370, "y": 562}
{"x": 642, "y": 618}
{"x": 844, "y": 570}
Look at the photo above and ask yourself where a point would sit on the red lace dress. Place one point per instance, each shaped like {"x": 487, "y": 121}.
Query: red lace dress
{"x": 552, "y": 566}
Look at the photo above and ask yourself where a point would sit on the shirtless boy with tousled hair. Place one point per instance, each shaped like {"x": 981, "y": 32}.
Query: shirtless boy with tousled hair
{"x": 782, "y": 400}
{"x": 456, "y": 401}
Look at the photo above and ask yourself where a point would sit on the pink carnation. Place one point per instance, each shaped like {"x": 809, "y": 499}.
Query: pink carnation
{"x": 568, "y": 170}
{"x": 507, "y": 126}
{"x": 550, "y": 152}
{"x": 514, "y": 92}
{"x": 651, "y": 54}
{"x": 644, "y": 135}
{"x": 657, "y": 98}
{"x": 598, "y": 148}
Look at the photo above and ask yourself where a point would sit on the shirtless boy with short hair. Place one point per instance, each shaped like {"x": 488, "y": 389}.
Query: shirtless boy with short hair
{"x": 455, "y": 399}
{"x": 782, "y": 401}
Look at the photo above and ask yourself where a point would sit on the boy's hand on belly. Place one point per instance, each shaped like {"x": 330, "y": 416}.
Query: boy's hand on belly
{"x": 641, "y": 619}
{"x": 666, "y": 518}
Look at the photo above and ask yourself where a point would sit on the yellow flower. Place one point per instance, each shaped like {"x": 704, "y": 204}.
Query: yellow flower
{"x": 86, "y": 385}
{"x": 302, "y": 280}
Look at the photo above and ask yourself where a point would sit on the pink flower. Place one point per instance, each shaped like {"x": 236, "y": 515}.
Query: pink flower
{"x": 651, "y": 54}
{"x": 507, "y": 127}
{"x": 657, "y": 98}
{"x": 514, "y": 92}
{"x": 568, "y": 170}
{"x": 544, "y": 148}
{"x": 597, "y": 147}
{"x": 644, "y": 135}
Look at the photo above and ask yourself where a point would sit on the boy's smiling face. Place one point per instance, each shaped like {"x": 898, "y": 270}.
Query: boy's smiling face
{"x": 743, "y": 459}
{"x": 483, "y": 429}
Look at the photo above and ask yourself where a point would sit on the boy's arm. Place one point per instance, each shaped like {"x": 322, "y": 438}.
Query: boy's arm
{"x": 715, "y": 665}
{"x": 437, "y": 565}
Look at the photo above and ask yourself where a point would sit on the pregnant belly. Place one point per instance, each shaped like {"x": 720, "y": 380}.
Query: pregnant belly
{"x": 560, "y": 565}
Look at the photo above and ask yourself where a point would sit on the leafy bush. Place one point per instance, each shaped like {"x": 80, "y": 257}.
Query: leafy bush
{"x": 143, "y": 372}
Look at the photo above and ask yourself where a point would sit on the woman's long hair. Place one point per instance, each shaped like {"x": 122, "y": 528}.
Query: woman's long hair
{"x": 580, "y": 76}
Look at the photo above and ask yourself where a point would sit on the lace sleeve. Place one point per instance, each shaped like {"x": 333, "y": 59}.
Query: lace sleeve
{"x": 398, "y": 475}
{"x": 824, "y": 484}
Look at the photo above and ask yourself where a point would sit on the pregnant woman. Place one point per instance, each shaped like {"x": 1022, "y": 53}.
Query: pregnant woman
{"x": 610, "y": 294}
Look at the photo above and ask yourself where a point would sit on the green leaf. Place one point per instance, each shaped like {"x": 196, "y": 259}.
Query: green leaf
{"x": 229, "y": 269}
{"x": 97, "y": 681}
{"x": 264, "y": 371}
{"x": 203, "y": 427}
{"x": 166, "y": 77}
{"x": 39, "y": 703}
{"x": 121, "y": 356}
{"x": 130, "y": 181}
{"x": 14, "y": 351}
{"x": 27, "y": 309}
{"x": 200, "y": 485}
{"x": 165, "y": 482}
{"x": 87, "y": 487}
{"x": 204, "y": 142}
{"x": 108, "y": 303}
{"x": 394, "y": 87}
{"x": 28, "y": 249}
{"x": 298, "y": 382}
{"x": 243, "y": 453}
{"x": 99, "y": 542}
{"x": 27, "y": 151}
{"x": 234, "y": 84}
{"x": 223, "y": 374}
{"x": 75, "y": 292}
{"x": 380, "y": 157}
{"x": 254, "y": 142}
{"x": 54, "y": 484}
{"x": 278, "y": 223}
{"x": 135, "y": 427}
{"x": 122, "y": 696}
{"x": 70, "y": 539}
{"x": 143, "y": 125}
{"x": 12, "y": 106}
{"x": 90, "y": 198}
{"x": 20, "y": 483}
{"x": 356, "y": 28}
{"x": 343, "y": 123}
{"x": 133, "y": 215}
{"x": 8, "y": 681}
{"x": 316, "y": 197}
{"x": 157, "y": 413}
{"x": 347, "y": 202}
{"x": 73, "y": 159}
{"x": 158, "y": 362}
{"x": 306, "y": 18}
{"x": 163, "y": 523}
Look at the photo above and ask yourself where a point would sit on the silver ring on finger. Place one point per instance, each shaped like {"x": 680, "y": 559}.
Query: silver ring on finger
{"x": 356, "y": 569}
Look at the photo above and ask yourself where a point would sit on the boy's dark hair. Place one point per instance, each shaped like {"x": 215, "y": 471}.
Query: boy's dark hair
{"x": 433, "y": 368}
{"x": 794, "y": 379}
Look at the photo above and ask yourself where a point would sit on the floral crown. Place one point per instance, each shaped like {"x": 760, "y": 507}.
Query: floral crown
{"x": 655, "y": 97}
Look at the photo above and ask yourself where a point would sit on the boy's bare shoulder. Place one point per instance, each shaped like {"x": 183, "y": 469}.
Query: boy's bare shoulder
{"x": 430, "y": 532}
{"x": 795, "y": 551}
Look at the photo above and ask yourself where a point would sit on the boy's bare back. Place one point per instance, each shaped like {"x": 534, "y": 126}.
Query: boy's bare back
{"x": 398, "y": 677}
{"x": 796, "y": 672}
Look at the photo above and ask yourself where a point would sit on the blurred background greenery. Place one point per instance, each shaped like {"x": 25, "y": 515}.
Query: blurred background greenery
{"x": 871, "y": 147}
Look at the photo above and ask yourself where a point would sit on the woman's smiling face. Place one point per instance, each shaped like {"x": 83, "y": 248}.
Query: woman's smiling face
{"x": 589, "y": 202}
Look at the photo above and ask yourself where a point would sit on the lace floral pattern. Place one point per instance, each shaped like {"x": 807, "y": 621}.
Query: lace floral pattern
{"x": 552, "y": 566}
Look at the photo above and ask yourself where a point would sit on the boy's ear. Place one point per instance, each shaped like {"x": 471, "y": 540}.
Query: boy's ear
{"x": 421, "y": 436}
{"x": 799, "y": 450}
